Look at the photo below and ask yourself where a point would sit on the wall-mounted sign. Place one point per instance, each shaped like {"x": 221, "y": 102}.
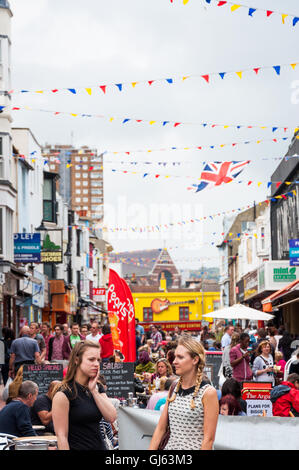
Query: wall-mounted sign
{"x": 99, "y": 294}
{"x": 294, "y": 252}
{"x": 52, "y": 247}
{"x": 250, "y": 285}
{"x": 275, "y": 275}
{"x": 27, "y": 248}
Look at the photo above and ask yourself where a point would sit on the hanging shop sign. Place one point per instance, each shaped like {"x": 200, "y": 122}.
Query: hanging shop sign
{"x": 294, "y": 252}
{"x": 27, "y": 248}
{"x": 52, "y": 247}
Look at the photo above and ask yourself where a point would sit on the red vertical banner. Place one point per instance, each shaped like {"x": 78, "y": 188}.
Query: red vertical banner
{"x": 131, "y": 323}
{"x": 118, "y": 313}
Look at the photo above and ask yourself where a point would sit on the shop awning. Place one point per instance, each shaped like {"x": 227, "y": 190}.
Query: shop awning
{"x": 293, "y": 286}
{"x": 239, "y": 312}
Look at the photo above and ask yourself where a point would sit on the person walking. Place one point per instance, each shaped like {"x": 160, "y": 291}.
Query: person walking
{"x": 80, "y": 403}
{"x": 106, "y": 343}
{"x": 227, "y": 337}
{"x": 156, "y": 337}
{"x": 24, "y": 350}
{"x": 95, "y": 333}
{"x": 34, "y": 334}
{"x": 46, "y": 333}
{"x": 240, "y": 358}
{"x": 226, "y": 370}
{"x": 15, "y": 416}
{"x": 262, "y": 368}
{"x": 72, "y": 339}
{"x": 192, "y": 408}
{"x": 58, "y": 349}
{"x": 8, "y": 336}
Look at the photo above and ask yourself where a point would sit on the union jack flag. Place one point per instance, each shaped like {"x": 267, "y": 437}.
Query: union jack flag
{"x": 216, "y": 173}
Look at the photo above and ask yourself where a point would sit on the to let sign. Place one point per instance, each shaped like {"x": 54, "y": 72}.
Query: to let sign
{"x": 27, "y": 247}
{"x": 99, "y": 294}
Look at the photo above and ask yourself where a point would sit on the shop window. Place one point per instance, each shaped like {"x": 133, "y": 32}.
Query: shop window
{"x": 147, "y": 314}
{"x": 184, "y": 313}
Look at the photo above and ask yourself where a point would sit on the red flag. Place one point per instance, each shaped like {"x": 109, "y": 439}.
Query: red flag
{"x": 131, "y": 323}
{"x": 269, "y": 12}
{"x": 118, "y": 313}
{"x": 103, "y": 88}
{"x": 150, "y": 82}
{"x": 206, "y": 77}
{"x": 257, "y": 70}
{"x": 176, "y": 124}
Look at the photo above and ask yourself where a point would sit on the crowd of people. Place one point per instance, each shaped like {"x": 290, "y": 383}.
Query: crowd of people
{"x": 169, "y": 377}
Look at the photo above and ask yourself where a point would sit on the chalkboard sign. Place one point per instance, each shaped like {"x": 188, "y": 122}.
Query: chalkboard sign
{"x": 42, "y": 375}
{"x": 213, "y": 363}
{"x": 119, "y": 378}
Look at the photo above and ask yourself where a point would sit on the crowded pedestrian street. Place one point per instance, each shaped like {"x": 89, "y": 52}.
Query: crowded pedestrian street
{"x": 149, "y": 229}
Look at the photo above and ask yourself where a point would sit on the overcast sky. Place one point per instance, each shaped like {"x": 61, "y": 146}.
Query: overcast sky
{"x": 73, "y": 44}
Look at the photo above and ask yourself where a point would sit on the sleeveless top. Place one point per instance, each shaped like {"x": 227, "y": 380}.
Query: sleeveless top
{"x": 186, "y": 425}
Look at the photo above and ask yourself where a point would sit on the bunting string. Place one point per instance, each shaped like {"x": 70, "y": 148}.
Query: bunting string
{"x": 204, "y": 77}
{"x": 251, "y": 10}
{"x": 126, "y": 120}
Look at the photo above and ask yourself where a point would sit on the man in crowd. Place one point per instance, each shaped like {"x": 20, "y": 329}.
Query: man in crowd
{"x": 84, "y": 330}
{"x": 45, "y": 331}
{"x": 285, "y": 397}
{"x": 227, "y": 337}
{"x": 140, "y": 329}
{"x": 72, "y": 339}
{"x": 41, "y": 411}
{"x": 34, "y": 334}
{"x": 15, "y": 417}
{"x": 240, "y": 358}
{"x": 156, "y": 337}
{"x": 58, "y": 346}
{"x": 24, "y": 350}
{"x": 95, "y": 333}
{"x": 66, "y": 330}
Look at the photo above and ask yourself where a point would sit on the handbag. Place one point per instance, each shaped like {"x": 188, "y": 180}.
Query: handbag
{"x": 166, "y": 436}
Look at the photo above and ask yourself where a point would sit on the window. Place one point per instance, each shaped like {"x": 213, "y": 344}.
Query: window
{"x": 85, "y": 191}
{"x": 85, "y": 175}
{"x": 85, "y": 183}
{"x": 184, "y": 313}
{"x": 52, "y": 167}
{"x": 85, "y": 159}
{"x": 85, "y": 199}
{"x": 49, "y": 198}
{"x": 147, "y": 314}
{"x": 78, "y": 199}
{"x": 78, "y": 159}
{"x": 79, "y": 242}
{"x": 95, "y": 175}
{"x": 96, "y": 199}
{"x": 78, "y": 191}
{"x": 78, "y": 183}
{"x": 85, "y": 208}
{"x": 85, "y": 167}
{"x": 96, "y": 183}
{"x": 78, "y": 175}
{"x": 50, "y": 270}
{"x": 95, "y": 191}
{"x": 77, "y": 167}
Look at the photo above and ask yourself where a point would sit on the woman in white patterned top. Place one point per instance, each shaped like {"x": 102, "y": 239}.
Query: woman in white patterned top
{"x": 192, "y": 410}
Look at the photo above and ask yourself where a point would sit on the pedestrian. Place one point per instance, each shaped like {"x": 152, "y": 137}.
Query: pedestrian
{"x": 145, "y": 365}
{"x": 15, "y": 417}
{"x": 229, "y": 406}
{"x": 46, "y": 333}
{"x": 227, "y": 337}
{"x": 285, "y": 397}
{"x": 239, "y": 359}
{"x": 80, "y": 403}
{"x": 106, "y": 343}
{"x": 232, "y": 387}
{"x": 262, "y": 368}
{"x": 8, "y": 337}
{"x": 58, "y": 348}
{"x": 192, "y": 408}
{"x": 163, "y": 369}
{"x": 34, "y": 334}
{"x": 261, "y": 336}
{"x": 156, "y": 337}
{"x": 24, "y": 350}
{"x": 226, "y": 370}
{"x": 95, "y": 333}
{"x": 284, "y": 345}
{"x": 73, "y": 338}
{"x": 84, "y": 330}
{"x": 41, "y": 411}
{"x": 66, "y": 329}
{"x": 140, "y": 328}
{"x": 170, "y": 356}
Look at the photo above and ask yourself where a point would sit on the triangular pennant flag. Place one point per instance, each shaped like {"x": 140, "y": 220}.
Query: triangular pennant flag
{"x": 239, "y": 74}
{"x": 134, "y": 84}
{"x": 165, "y": 122}
{"x": 103, "y": 88}
{"x": 169, "y": 80}
{"x": 72, "y": 90}
{"x": 251, "y": 11}
{"x": 235, "y": 7}
{"x": 206, "y": 77}
{"x": 283, "y": 17}
{"x": 184, "y": 78}
{"x": 274, "y": 129}
{"x": 222, "y": 75}
{"x": 269, "y": 13}
{"x": 111, "y": 119}
{"x": 295, "y": 20}
{"x": 185, "y": 2}
{"x": 150, "y": 82}
{"x": 277, "y": 69}
{"x": 269, "y": 184}
{"x": 126, "y": 120}
{"x": 152, "y": 122}
{"x": 221, "y": 3}
{"x": 294, "y": 65}
{"x": 119, "y": 86}
{"x": 88, "y": 90}
{"x": 257, "y": 70}
{"x": 54, "y": 91}
{"x": 176, "y": 124}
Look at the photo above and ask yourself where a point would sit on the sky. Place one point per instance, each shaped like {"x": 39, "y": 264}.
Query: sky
{"x": 58, "y": 44}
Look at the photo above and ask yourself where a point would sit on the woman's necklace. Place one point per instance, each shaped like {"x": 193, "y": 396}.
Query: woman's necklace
{"x": 85, "y": 389}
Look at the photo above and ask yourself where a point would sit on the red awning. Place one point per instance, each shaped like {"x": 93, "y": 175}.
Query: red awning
{"x": 280, "y": 293}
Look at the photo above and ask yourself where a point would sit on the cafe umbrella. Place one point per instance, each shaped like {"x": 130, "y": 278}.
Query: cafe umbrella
{"x": 239, "y": 312}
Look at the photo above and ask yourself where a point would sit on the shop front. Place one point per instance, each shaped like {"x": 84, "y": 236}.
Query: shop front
{"x": 62, "y": 303}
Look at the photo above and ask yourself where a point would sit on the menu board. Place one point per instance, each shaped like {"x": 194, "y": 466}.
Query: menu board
{"x": 119, "y": 378}
{"x": 42, "y": 375}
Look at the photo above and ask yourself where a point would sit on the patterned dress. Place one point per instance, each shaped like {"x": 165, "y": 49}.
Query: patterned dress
{"x": 186, "y": 425}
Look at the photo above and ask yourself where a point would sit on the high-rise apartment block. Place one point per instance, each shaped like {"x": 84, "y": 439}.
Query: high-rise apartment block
{"x": 81, "y": 178}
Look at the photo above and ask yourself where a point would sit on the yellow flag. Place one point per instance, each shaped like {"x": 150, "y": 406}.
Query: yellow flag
{"x": 88, "y": 90}
{"x": 239, "y": 74}
{"x": 152, "y": 122}
{"x": 134, "y": 84}
{"x": 235, "y": 7}
{"x": 111, "y": 119}
{"x": 185, "y": 2}
{"x": 72, "y": 114}
{"x": 288, "y": 182}
{"x": 258, "y": 141}
{"x": 283, "y": 17}
{"x": 255, "y": 235}
{"x": 278, "y": 197}
{"x": 39, "y": 91}
{"x": 185, "y": 78}
{"x": 259, "y": 183}
{"x": 263, "y": 127}
{"x": 33, "y": 160}
{"x": 225, "y": 127}
{"x": 222, "y": 145}
{"x": 296, "y": 129}
{"x": 293, "y": 66}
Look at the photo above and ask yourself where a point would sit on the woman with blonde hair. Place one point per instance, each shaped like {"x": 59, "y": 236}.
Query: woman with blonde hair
{"x": 163, "y": 369}
{"x": 191, "y": 411}
{"x": 80, "y": 402}
{"x": 262, "y": 368}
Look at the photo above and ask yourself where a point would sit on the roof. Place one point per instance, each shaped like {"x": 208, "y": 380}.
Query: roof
{"x": 280, "y": 293}
{"x": 140, "y": 262}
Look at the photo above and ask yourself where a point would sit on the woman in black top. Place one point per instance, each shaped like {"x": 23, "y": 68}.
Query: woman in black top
{"x": 80, "y": 403}
{"x": 8, "y": 337}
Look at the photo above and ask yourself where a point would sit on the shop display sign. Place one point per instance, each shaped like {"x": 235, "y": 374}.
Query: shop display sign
{"x": 257, "y": 397}
{"x": 52, "y": 247}
{"x": 27, "y": 247}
